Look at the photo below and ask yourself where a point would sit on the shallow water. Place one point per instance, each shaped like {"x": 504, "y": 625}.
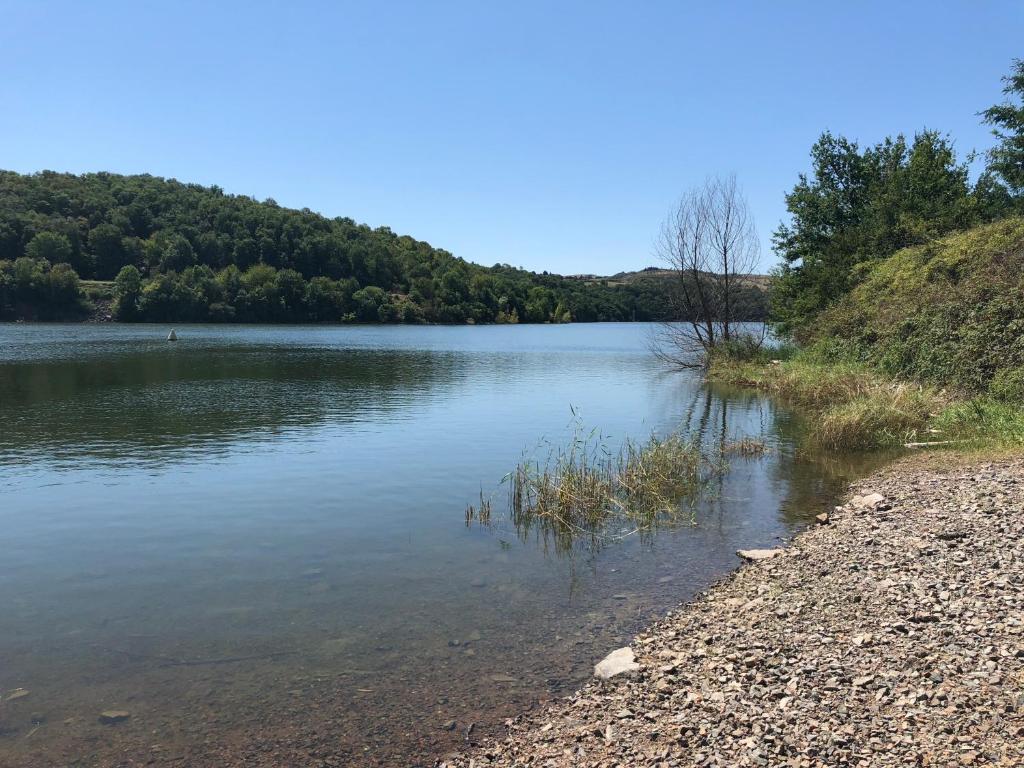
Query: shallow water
{"x": 253, "y": 539}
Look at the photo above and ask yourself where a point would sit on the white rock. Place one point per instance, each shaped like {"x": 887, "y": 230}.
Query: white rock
{"x": 754, "y": 555}
{"x": 615, "y": 663}
{"x": 868, "y": 501}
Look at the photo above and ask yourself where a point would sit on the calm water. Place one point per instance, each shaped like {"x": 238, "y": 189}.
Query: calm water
{"x": 253, "y": 540}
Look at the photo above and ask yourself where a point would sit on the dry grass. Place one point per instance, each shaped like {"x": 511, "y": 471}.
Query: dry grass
{"x": 851, "y": 407}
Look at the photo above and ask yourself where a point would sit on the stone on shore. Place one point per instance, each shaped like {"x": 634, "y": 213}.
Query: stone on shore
{"x": 616, "y": 663}
{"x": 755, "y": 555}
{"x": 868, "y": 501}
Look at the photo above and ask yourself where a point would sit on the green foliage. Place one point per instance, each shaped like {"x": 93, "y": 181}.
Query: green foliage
{"x": 858, "y": 207}
{"x": 950, "y": 313}
{"x": 32, "y": 287}
{"x": 1008, "y": 385}
{"x": 49, "y": 246}
{"x": 203, "y": 255}
{"x": 1006, "y": 159}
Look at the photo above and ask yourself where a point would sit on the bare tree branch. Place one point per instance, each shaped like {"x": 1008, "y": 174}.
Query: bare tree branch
{"x": 710, "y": 240}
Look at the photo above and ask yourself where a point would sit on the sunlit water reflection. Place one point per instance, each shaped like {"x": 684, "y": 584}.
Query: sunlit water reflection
{"x": 253, "y": 539}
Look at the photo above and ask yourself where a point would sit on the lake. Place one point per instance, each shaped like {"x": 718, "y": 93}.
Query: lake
{"x": 254, "y": 542}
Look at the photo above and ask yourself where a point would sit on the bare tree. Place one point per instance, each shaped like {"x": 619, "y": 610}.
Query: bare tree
{"x": 710, "y": 241}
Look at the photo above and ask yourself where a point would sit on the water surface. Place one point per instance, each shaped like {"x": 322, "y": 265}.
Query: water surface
{"x": 253, "y": 539}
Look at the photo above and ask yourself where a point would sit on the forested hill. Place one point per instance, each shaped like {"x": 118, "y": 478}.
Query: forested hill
{"x": 184, "y": 252}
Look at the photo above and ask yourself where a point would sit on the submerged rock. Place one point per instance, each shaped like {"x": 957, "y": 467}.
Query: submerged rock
{"x": 113, "y": 716}
{"x": 616, "y": 663}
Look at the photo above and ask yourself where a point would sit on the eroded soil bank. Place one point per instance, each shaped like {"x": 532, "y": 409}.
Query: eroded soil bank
{"x": 892, "y": 635}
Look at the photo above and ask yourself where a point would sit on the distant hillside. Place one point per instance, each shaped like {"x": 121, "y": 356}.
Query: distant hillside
{"x": 659, "y": 282}
{"x": 626, "y": 278}
{"x": 184, "y": 252}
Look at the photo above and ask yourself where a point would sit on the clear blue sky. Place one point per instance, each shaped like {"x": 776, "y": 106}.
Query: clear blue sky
{"x": 552, "y": 135}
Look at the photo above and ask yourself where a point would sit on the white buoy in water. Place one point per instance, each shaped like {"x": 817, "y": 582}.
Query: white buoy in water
{"x": 172, "y": 336}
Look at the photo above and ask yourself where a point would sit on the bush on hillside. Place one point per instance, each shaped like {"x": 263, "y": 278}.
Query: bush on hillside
{"x": 949, "y": 313}
{"x": 1008, "y": 385}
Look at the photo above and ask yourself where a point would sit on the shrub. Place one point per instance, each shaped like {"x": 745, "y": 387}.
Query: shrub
{"x": 1008, "y": 385}
{"x": 949, "y": 313}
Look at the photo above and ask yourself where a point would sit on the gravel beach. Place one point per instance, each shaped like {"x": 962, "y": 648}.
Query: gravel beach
{"x": 892, "y": 633}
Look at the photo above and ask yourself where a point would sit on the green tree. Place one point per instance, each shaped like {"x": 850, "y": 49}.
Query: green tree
{"x": 1006, "y": 159}
{"x": 50, "y": 246}
{"x": 368, "y": 302}
{"x": 176, "y": 254}
{"x": 127, "y": 290}
{"x": 107, "y": 245}
{"x": 540, "y": 303}
{"x": 64, "y": 285}
{"x": 857, "y": 207}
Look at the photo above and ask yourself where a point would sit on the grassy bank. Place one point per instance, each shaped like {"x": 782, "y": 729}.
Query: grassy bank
{"x": 928, "y": 347}
{"x": 855, "y": 407}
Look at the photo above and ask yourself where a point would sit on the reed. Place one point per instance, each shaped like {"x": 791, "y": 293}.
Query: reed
{"x": 576, "y": 492}
{"x": 852, "y": 408}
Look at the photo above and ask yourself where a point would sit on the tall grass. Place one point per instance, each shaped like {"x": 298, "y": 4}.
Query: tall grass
{"x": 576, "y": 492}
{"x": 983, "y": 422}
{"x": 851, "y": 407}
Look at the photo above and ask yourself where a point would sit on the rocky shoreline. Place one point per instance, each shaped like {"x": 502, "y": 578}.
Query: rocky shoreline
{"x": 890, "y": 634}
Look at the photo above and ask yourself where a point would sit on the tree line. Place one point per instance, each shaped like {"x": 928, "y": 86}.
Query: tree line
{"x": 185, "y": 252}
{"x": 859, "y": 205}
{"x": 855, "y": 209}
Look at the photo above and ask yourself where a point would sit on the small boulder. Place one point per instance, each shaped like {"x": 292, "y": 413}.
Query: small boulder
{"x": 114, "y": 716}
{"x": 754, "y": 555}
{"x": 616, "y": 663}
{"x": 868, "y": 501}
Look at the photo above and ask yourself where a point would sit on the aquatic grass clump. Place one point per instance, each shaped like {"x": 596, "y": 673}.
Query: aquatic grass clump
{"x": 481, "y": 513}
{"x": 577, "y": 492}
